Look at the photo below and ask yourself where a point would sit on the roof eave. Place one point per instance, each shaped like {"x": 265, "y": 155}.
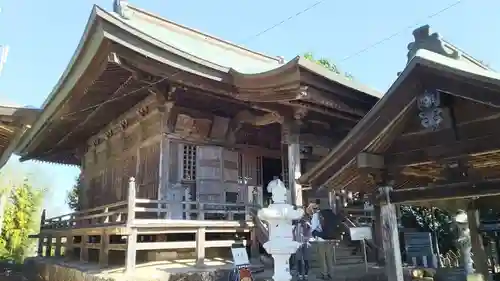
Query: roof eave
{"x": 354, "y": 135}
{"x": 422, "y": 57}
{"x": 23, "y": 118}
{"x": 170, "y": 54}
{"x": 87, "y": 47}
{"x": 337, "y": 78}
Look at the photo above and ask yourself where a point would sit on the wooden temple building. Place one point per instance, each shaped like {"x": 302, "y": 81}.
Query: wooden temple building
{"x": 177, "y": 133}
{"x": 14, "y": 122}
{"x": 431, "y": 140}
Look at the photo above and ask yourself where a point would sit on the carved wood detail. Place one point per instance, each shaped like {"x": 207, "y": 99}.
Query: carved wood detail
{"x": 187, "y": 126}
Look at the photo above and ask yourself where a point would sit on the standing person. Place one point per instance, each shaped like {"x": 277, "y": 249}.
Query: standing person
{"x": 302, "y": 234}
{"x": 324, "y": 225}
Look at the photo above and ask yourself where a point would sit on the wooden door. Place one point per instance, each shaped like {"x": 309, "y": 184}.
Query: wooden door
{"x": 209, "y": 174}
{"x": 149, "y": 167}
{"x": 252, "y": 172}
{"x": 231, "y": 186}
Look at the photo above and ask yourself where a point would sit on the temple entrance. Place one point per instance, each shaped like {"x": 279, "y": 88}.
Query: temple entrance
{"x": 271, "y": 167}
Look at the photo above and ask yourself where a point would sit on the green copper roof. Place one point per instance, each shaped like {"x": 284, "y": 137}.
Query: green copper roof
{"x": 197, "y": 44}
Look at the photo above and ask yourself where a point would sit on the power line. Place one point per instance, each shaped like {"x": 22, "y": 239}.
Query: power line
{"x": 307, "y": 9}
{"x": 390, "y": 37}
{"x": 297, "y": 14}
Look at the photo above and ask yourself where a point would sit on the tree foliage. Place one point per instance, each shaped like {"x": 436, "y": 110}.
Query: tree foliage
{"x": 328, "y": 64}
{"x": 433, "y": 220}
{"x": 21, "y": 218}
{"x": 73, "y": 195}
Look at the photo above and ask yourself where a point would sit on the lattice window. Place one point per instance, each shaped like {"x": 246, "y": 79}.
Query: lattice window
{"x": 258, "y": 171}
{"x": 189, "y": 162}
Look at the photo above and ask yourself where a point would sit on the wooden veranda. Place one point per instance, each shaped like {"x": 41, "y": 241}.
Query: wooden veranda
{"x": 120, "y": 227}
{"x": 431, "y": 140}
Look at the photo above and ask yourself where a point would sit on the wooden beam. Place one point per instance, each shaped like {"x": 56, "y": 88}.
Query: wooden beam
{"x": 482, "y": 92}
{"x": 318, "y": 140}
{"x": 446, "y": 191}
{"x": 445, "y": 151}
{"x": 466, "y": 130}
{"x": 247, "y": 117}
{"x": 370, "y": 160}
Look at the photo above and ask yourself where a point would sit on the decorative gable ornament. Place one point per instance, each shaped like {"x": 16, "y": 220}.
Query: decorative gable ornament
{"x": 121, "y": 8}
{"x": 431, "y": 114}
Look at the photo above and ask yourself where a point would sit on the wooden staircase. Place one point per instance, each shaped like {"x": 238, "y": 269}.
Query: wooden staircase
{"x": 346, "y": 252}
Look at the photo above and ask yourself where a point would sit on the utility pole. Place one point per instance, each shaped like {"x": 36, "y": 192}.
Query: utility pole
{"x": 4, "y": 52}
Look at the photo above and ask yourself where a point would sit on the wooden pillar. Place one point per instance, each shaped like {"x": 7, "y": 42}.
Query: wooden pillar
{"x": 48, "y": 246}
{"x": 104, "y": 249}
{"x": 200, "y": 247}
{"x": 290, "y": 137}
{"x": 40, "y": 237}
{"x": 165, "y": 109}
{"x": 84, "y": 251}
{"x": 254, "y": 246}
{"x": 57, "y": 250}
{"x": 131, "y": 251}
{"x": 332, "y": 202}
{"x": 377, "y": 234}
{"x": 130, "y": 255}
{"x": 480, "y": 258}
{"x": 69, "y": 247}
{"x": 390, "y": 238}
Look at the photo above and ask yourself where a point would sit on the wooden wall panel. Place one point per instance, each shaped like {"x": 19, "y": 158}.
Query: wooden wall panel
{"x": 129, "y": 163}
{"x": 117, "y": 183}
{"x": 97, "y": 196}
{"x": 148, "y": 177}
{"x": 173, "y": 161}
{"x": 107, "y": 186}
{"x": 230, "y": 165}
{"x": 209, "y": 182}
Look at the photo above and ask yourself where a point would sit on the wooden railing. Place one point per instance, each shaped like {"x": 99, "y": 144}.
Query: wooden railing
{"x": 359, "y": 216}
{"x": 133, "y": 208}
{"x": 110, "y": 214}
{"x": 135, "y": 217}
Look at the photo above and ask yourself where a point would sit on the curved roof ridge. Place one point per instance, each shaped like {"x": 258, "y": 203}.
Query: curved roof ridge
{"x": 338, "y": 78}
{"x": 180, "y": 51}
{"x": 200, "y": 33}
{"x": 466, "y": 55}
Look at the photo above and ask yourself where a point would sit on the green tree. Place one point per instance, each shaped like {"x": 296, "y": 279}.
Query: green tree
{"x": 326, "y": 63}
{"x": 434, "y": 220}
{"x": 73, "y": 195}
{"x": 21, "y": 218}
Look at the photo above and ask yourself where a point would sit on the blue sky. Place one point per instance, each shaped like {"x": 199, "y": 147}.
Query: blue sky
{"x": 43, "y": 35}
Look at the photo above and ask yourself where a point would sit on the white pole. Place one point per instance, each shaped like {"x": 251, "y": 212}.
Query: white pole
{"x": 365, "y": 259}
{"x": 3, "y": 202}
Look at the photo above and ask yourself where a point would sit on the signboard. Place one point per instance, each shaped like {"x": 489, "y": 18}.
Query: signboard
{"x": 451, "y": 274}
{"x": 240, "y": 256}
{"x": 360, "y": 233}
{"x": 418, "y": 244}
{"x": 241, "y": 272}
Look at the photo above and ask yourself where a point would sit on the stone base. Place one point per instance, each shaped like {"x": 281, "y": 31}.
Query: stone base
{"x": 49, "y": 269}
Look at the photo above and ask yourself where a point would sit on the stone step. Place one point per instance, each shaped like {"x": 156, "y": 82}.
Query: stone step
{"x": 352, "y": 272}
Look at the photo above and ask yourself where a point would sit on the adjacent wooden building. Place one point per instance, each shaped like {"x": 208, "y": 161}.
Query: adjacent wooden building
{"x": 431, "y": 140}
{"x": 200, "y": 123}
{"x": 14, "y": 122}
